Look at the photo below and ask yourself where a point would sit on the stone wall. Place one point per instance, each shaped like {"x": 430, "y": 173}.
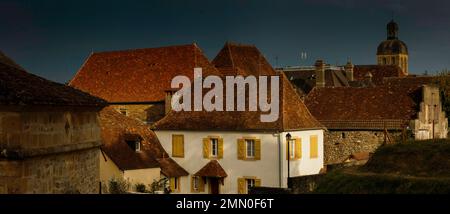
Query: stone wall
{"x": 305, "y": 184}
{"x": 49, "y": 150}
{"x": 28, "y": 131}
{"x": 147, "y": 113}
{"x": 339, "y": 145}
{"x": 73, "y": 172}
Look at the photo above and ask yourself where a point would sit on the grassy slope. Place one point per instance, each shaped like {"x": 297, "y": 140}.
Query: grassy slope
{"x": 413, "y": 167}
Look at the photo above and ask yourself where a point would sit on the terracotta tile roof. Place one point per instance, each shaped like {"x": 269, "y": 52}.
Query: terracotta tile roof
{"x": 171, "y": 169}
{"x": 240, "y": 59}
{"x": 409, "y": 80}
{"x": 212, "y": 169}
{"x": 117, "y": 128}
{"x": 293, "y": 115}
{"x": 379, "y": 72}
{"x": 365, "y": 107}
{"x": 8, "y": 61}
{"x": 18, "y": 87}
{"x": 140, "y": 75}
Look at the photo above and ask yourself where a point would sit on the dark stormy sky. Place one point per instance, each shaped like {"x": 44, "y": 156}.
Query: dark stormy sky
{"x": 53, "y": 38}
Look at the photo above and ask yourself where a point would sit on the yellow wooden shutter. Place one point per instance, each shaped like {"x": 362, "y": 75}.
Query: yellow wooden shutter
{"x": 257, "y": 149}
{"x": 241, "y": 149}
{"x": 220, "y": 148}
{"x": 298, "y": 148}
{"x": 201, "y": 184}
{"x": 206, "y": 145}
{"x": 314, "y": 147}
{"x": 172, "y": 184}
{"x": 178, "y": 146}
{"x": 241, "y": 186}
{"x": 257, "y": 182}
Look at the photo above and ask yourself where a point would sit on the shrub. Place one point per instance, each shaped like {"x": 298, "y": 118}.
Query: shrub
{"x": 140, "y": 187}
{"x": 118, "y": 186}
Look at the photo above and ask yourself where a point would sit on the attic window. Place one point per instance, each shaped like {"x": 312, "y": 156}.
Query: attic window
{"x": 134, "y": 141}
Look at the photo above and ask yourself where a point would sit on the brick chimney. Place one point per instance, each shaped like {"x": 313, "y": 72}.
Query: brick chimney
{"x": 349, "y": 70}
{"x": 320, "y": 73}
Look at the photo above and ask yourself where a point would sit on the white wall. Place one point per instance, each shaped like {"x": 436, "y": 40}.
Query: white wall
{"x": 305, "y": 165}
{"x": 144, "y": 176}
{"x": 266, "y": 169}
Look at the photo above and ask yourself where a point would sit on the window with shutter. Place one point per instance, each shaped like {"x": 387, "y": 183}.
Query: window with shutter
{"x": 174, "y": 184}
{"x": 213, "y": 148}
{"x": 314, "y": 147}
{"x": 249, "y": 149}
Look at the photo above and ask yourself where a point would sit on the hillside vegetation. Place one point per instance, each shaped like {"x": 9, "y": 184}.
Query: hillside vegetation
{"x": 412, "y": 167}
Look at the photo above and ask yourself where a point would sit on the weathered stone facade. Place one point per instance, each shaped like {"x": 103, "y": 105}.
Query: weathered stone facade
{"x": 49, "y": 150}
{"x": 72, "y": 172}
{"x": 340, "y": 144}
{"x": 147, "y": 113}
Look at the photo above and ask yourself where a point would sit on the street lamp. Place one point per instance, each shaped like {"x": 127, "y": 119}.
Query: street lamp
{"x": 288, "y": 142}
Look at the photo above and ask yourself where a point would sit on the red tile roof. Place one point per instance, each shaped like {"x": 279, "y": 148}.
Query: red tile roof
{"x": 18, "y": 87}
{"x": 212, "y": 170}
{"x": 240, "y": 59}
{"x": 171, "y": 169}
{"x": 293, "y": 113}
{"x": 117, "y": 128}
{"x": 379, "y": 72}
{"x": 140, "y": 75}
{"x": 348, "y": 107}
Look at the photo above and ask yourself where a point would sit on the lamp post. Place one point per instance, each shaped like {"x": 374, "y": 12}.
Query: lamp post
{"x": 288, "y": 143}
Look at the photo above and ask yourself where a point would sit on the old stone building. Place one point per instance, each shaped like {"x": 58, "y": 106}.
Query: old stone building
{"x": 361, "y": 119}
{"x": 135, "y": 82}
{"x": 230, "y": 152}
{"x": 49, "y": 135}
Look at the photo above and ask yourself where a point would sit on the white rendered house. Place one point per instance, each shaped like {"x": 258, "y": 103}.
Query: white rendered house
{"x": 229, "y": 152}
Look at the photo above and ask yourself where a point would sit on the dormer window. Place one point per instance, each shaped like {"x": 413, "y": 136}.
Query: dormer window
{"x": 134, "y": 141}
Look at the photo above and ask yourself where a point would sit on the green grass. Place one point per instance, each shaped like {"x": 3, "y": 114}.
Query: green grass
{"x": 417, "y": 158}
{"x": 409, "y": 168}
{"x": 347, "y": 183}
